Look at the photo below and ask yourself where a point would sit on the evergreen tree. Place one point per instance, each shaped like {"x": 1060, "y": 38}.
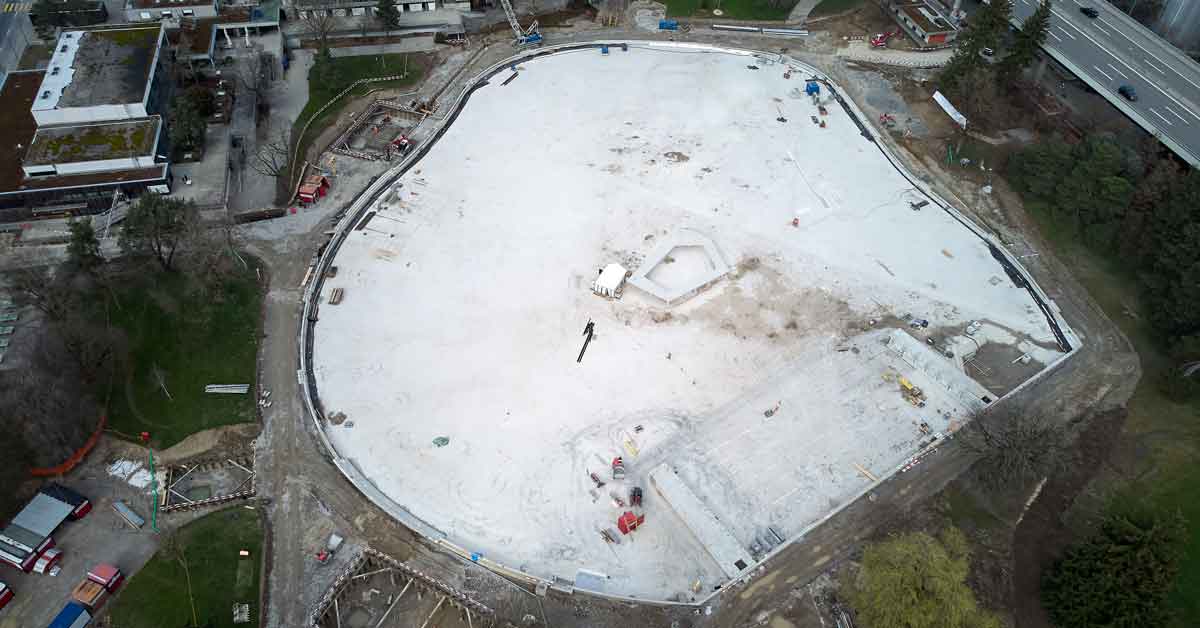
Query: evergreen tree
{"x": 1119, "y": 578}
{"x": 1024, "y": 50}
{"x": 985, "y": 30}
{"x": 388, "y": 14}
{"x": 83, "y": 250}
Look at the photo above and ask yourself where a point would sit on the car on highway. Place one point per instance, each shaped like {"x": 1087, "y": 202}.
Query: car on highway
{"x": 1090, "y": 12}
{"x": 1128, "y": 92}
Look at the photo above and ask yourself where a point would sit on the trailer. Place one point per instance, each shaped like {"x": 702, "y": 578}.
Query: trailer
{"x": 73, "y": 615}
{"x": 6, "y": 595}
{"x": 82, "y": 506}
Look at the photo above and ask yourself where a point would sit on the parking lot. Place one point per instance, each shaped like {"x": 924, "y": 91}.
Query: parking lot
{"x": 101, "y": 536}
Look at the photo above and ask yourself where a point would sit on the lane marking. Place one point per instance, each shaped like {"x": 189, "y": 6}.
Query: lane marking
{"x": 1156, "y": 57}
{"x": 1151, "y": 110}
{"x": 1160, "y": 70}
{"x": 1097, "y": 27}
{"x": 1117, "y": 70}
{"x": 1102, "y": 72}
{"x": 1181, "y": 118}
{"x": 1155, "y": 86}
{"x": 1051, "y": 33}
{"x": 1066, "y": 32}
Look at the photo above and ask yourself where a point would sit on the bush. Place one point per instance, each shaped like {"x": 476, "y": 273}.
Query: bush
{"x": 918, "y": 581}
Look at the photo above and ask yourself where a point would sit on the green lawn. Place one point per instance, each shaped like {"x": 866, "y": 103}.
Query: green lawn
{"x": 829, "y": 7}
{"x": 348, "y": 70}
{"x": 157, "y": 596}
{"x": 1169, "y": 431}
{"x": 192, "y": 339}
{"x": 759, "y": 10}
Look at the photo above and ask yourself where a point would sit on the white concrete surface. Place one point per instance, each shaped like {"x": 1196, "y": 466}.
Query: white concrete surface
{"x": 466, "y": 294}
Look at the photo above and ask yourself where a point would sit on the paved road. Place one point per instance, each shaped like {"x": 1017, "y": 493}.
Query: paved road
{"x": 1113, "y": 50}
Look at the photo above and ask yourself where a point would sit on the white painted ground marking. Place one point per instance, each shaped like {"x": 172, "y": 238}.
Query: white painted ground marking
{"x": 1102, "y": 72}
{"x": 1118, "y": 71}
{"x": 1156, "y": 57}
{"x": 1099, "y": 28}
{"x": 1151, "y": 109}
{"x": 1181, "y": 118}
{"x": 1160, "y": 70}
{"x": 1051, "y": 33}
{"x": 1160, "y": 90}
{"x": 1067, "y": 32}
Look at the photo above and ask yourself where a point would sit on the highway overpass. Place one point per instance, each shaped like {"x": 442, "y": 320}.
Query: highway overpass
{"x": 1113, "y": 50}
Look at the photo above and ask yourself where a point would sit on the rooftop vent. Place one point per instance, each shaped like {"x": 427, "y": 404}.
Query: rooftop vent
{"x": 69, "y": 35}
{"x": 46, "y": 94}
{"x": 63, "y": 49}
{"x": 54, "y": 71}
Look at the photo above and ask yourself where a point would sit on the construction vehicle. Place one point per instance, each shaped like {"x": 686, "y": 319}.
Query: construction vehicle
{"x": 618, "y": 468}
{"x": 331, "y": 548}
{"x": 880, "y": 40}
{"x": 523, "y": 37}
{"x": 628, "y": 522}
{"x": 911, "y": 393}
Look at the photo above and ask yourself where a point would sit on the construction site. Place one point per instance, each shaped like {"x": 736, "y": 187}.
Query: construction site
{"x": 639, "y": 315}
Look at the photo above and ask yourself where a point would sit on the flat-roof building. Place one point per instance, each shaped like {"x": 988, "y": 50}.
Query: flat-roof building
{"x": 87, "y": 129}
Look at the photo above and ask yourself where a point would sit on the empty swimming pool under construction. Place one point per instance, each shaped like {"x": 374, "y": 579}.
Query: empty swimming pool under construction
{"x": 801, "y": 320}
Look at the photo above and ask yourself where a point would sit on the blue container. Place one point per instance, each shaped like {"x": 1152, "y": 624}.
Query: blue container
{"x": 812, "y": 88}
{"x": 603, "y": 50}
{"x": 668, "y": 25}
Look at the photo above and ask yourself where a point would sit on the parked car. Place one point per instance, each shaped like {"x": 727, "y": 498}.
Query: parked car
{"x": 1128, "y": 92}
{"x": 1090, "y": 12}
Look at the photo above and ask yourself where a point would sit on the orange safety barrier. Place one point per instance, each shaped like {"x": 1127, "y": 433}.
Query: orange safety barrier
{"x": 75, "y": 458}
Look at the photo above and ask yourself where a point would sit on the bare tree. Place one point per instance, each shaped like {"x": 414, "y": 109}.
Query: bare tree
{"x": 270, "y": 159}
{"x": 175, "y": 547}
{"x": 47, "y": 290}
{"x": 319, "y": 24}
{"x": 1016, "y": 447}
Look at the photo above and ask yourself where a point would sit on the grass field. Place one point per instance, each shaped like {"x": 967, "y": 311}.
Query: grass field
{"x": 760, "y": 10}
{"x": 190, "y": 339}
{"x": 347, "y": 70}
{"x": 157, "y": 596}
{"x": 1168, "y": 432}
{"x": 829, "y": 7}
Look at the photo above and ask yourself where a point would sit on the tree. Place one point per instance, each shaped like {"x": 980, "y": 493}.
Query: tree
{"x": 319, "y": 24}
{"x": 175, "y": 547}
{"x": 187, "y": 125}
{"x": 1038, "y": 169}
{"x": 83, "y": 250}
{"x": 159, "y": 226}
{"x": 49, "y": 292}
{"x": 1015, "y": 448}
{"x": 986, "y": 28}
{"x": 917, "y": 581}
{"x": 270, "y": 158}
{"x": 324, "y": 69}
{"x": 203, "y": 99}
{"x": 387, "y": 14}
{"x": 1122, "y": 576}
{"x": 1025, "y": 49}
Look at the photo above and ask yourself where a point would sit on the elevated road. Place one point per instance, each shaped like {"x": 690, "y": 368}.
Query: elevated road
{"x": 1112, "y": 51}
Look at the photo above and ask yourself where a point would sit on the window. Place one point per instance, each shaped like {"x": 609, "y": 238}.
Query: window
{"x": 188, "y": 12}
{"x": 166, "y": 15}
{"x": 145, "y": 15}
